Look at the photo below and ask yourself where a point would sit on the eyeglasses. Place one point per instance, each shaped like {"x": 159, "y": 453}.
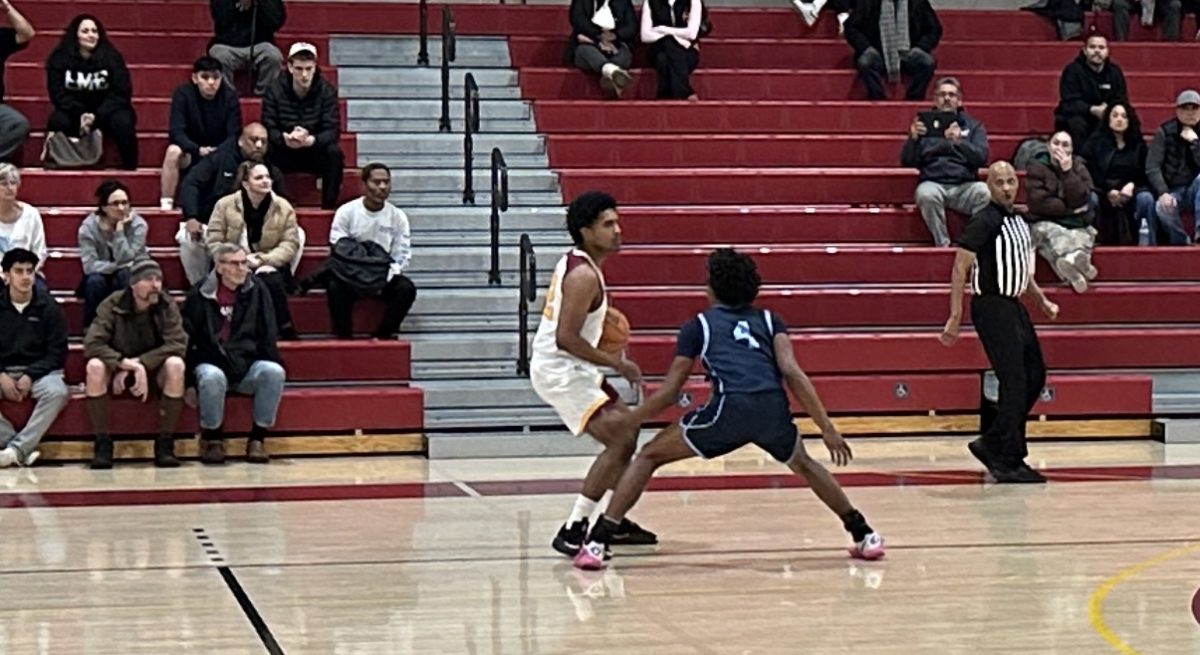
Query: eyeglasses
{"x": 236, "y": 262}
{"x": 947, "y": 94}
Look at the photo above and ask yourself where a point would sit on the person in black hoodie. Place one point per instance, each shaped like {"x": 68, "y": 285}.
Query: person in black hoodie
{"x": 304, "y": 123}
{"x": 205, "y": 114}
{"x": 90, "y": 88}
{"x": 33, "y": 350}
{"x": 602, "y": 36}
{"x": 1089, "y": 84}
{"x": 1116, "y": 158}
{"x": 891, "y": 37}
{"x": 15, "y": 37}
{"x": 230, "y": 324}
{"x": 244, "y": 35}
{"x": 213, "y": 178}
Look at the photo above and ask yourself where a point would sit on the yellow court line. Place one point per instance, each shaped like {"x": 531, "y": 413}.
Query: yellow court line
{"x": 1096, "y": 601}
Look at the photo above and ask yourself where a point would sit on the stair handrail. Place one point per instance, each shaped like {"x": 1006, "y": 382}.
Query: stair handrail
{"x": 449, "y": 53}
{"x": 423, "y": 31}
{"x": 499, "y": 205}
{"x": 470, "y": 128}
{"x": 528, "y": 295}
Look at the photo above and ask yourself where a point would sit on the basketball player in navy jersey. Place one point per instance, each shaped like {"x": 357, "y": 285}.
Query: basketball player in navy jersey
{"x": 748, "y": 357}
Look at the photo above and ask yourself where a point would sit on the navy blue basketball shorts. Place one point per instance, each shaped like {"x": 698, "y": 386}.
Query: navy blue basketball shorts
{"x": 730, "y": 421}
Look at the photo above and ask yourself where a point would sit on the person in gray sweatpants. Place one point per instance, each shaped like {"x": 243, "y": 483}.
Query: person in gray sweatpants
{"x": 14, "y": 128}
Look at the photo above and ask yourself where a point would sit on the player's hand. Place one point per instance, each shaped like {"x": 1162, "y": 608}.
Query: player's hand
{"x": 950, "y": 332}
{"x": 1049, "y": 308}
{"x": 839, "y": 450}
{"x": 629, "y": 370}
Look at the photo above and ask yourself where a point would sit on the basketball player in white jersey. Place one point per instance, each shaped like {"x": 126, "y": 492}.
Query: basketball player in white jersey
{"x": 565, "y": 368}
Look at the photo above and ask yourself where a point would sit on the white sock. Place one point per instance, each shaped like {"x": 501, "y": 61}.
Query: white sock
{"x": 583, "y": 510}
{"x": 608, "y": 69}
{"x": 602, "y": 504}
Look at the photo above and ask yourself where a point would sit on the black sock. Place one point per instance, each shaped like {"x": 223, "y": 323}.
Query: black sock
{"x": 856, "y": 524}
{"x": 216, "y": 434}
{"x": 258, "y": 433}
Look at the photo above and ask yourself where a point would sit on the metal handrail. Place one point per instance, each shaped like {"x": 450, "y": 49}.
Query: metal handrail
{"x": 528, "y": 295}
{"x": 423, "y": 16}
{"x": 499, "y": 205}
{"x": 471, "y": 127}
{"x": 449, "y": 53}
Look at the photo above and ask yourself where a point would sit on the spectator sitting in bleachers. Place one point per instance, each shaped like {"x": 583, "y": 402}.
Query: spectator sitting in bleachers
{"x": 213, "y": 178}
{"x": 14, "y": 127}
{"x": 894, "y": 37}
{"x": 90, "y": 87}
{"x": 1089, "y": 84}
{"x": 673, "y": 29}
{"x": 232, "y": 335}
{"x": 20, "y": 222}
{"x": 266, "y": 226}
{"x": 1116, "y": 158}
{"x": 949, "y": 162}
{"x": 136, "y": 344}
{"x": 205, "y": 114}
{"x": 602, "y": 36}
{"x": 809, "y": 9}
{"x": 244, "y": 37}
{"x": 371, "y": 219}
{"x": 33, "y": 351}
{"x": 303, "y": 123}
{"x": 1061, "y": 211}
{"x": 1172, "y": 167}
{"x": 111, "y": 239}
{"x": 1169, "y": 12}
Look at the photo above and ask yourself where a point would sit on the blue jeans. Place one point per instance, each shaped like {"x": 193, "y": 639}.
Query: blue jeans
{"x": 1187, "y": 199}
{"x": 50, "y": 396}
{"x": 264, "y": 381}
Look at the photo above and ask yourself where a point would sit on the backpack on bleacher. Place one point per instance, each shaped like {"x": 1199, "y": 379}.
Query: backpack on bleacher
{"x": 1027, "y": 150}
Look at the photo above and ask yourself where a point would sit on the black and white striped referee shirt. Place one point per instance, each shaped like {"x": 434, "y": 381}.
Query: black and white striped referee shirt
{"x": 1003, "y": 252}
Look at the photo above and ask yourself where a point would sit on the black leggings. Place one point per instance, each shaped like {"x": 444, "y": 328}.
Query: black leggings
{"x": 120, "y": 126}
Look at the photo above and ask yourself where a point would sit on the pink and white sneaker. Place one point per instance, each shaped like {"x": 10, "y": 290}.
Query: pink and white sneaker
{"x": 870, "y": 548}
{"x": 590, "y": 557}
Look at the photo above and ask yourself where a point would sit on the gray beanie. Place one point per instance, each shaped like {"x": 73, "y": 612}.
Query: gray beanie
{"x": 144, "y": 268}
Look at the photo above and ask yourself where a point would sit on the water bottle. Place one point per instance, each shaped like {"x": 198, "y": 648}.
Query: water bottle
{"x": 1144, "y": 234}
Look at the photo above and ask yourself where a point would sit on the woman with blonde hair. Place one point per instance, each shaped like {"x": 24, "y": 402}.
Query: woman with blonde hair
{"x": 20, "y": 222}
{"x": 266, "y": 226}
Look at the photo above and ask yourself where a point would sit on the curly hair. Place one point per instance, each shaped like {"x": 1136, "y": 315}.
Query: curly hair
{"x": 733, "y": 277}
{"x": 585, "y": 210}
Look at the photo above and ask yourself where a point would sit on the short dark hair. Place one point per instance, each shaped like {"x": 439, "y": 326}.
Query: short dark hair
{"x": 206, "y": 64}
{"x": 18, "y": 256}
{"x": 1095, "y": 35}
{"x": 585, "y": 210}
{"x": 733, "y": 277}
{"x": 105, "y": 191}
{"x": 372, "y": 167}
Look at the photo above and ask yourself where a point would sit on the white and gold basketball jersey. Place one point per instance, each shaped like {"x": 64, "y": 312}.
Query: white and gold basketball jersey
{"x": 545, "y": 343}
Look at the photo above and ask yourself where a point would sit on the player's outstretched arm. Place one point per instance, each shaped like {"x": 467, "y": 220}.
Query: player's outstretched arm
{"x": 802, "y": 388}
{"x": 963, "y": 259}
{"x": 668, "y": 393}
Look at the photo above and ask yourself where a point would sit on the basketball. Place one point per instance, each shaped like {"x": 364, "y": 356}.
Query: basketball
{"x": 616, "y": 332}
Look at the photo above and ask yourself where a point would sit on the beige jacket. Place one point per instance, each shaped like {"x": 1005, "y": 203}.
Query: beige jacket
{"x": 280, "y": 241}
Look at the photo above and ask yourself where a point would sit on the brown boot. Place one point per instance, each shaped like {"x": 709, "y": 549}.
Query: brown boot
{"x": 256, "y": 452}
{"x": 212, "y": 451}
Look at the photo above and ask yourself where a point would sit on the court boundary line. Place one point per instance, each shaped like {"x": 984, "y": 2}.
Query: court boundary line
{"x": 1095, "y": 606}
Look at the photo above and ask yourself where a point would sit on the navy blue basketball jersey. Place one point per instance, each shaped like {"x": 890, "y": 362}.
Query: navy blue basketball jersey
{"x": 736, "y": 346}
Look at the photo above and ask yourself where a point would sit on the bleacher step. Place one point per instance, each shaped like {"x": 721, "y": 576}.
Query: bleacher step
{"x": 470, "y": 52}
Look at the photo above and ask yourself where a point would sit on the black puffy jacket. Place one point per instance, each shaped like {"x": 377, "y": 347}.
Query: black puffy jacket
{"x": 317, "y": 112}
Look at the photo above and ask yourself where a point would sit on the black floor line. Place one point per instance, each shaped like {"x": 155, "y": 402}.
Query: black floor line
{"x": 239, "y": 593}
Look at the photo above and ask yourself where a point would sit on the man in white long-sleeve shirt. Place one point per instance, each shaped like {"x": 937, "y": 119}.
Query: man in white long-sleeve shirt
{"x": 372, "y": 218}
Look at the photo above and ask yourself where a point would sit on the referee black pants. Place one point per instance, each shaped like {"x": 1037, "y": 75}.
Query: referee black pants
{"x": 1012, "y": 347}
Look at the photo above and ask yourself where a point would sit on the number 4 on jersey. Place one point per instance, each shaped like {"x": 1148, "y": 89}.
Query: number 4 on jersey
{"x": 741, "y": 332}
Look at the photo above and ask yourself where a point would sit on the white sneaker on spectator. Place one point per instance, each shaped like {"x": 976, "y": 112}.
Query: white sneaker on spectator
{"x": 807, "y": 11}
{"x": 30, "y": 459}
{"x": 8, "y": 457}
{"x": 166, "y": 204}
{"x": 842, "y": 18}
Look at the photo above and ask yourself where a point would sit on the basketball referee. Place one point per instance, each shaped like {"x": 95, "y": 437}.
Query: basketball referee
{"x": 997, "y": 249}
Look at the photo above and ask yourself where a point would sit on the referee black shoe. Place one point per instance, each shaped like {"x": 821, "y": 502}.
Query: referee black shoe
{"x": 979, "y": 450}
